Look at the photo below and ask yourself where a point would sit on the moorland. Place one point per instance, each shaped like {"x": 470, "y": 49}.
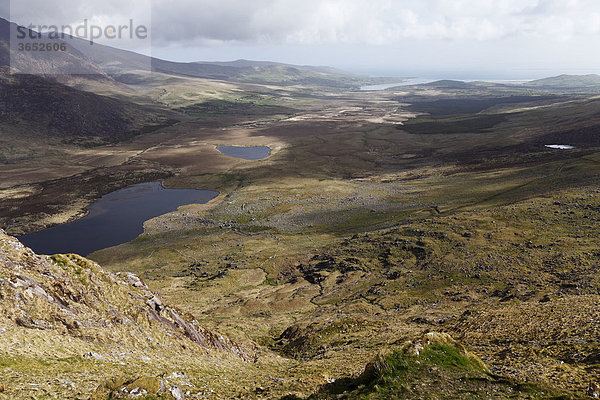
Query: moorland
{"x": 415, "y": 242}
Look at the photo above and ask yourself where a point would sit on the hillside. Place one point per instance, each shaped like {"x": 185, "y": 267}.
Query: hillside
{"x": 69, "y": 62}
{"x": 63, "y": 315}
{"x": 105, "y": 63}
{"x": 128, "y": 66}
{"x": 70, "y": 329}
{"x": 37, "y": 106}
{"x": 567, "y": 82}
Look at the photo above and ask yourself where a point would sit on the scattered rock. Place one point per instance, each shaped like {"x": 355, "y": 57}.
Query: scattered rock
{"x": 67, "y": 383}
{"x": 132, "y": 279}
{"x": 93, "y": 355}
{"x": 177, "y": 393}
{"x": 155, "y": 303}
{"x": 129, "y": 387}
{"x": 178, "y": 375}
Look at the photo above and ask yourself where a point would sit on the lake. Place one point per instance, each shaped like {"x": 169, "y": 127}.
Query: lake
{"x": 246, "y": 152}
{"x": 114, "y": 219}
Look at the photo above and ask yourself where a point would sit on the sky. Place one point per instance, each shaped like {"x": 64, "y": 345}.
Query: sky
{"x": 468, "y": 39}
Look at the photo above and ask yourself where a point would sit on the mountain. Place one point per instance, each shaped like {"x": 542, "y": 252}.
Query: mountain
{"x": 41, "y": 104}
{"x": 450, "y": 84}
{"x": 567, "y": 81}
{"x": 124, "y": 65}
{"x": 99, "y": 60}
{"x": 68, "y": 62}
{"x": 241, "y": 63}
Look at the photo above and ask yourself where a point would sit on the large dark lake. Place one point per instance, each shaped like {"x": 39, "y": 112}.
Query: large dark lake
{"x": 247, "y": 153}
{"x": 113, "y": 219}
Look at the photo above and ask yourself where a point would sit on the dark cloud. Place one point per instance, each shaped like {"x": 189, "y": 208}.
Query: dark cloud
{"x": 201, "y": 22}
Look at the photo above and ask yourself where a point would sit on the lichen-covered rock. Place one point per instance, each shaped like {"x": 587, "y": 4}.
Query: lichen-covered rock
{"x": 123, "y": 388}
{"x": 177, "y": 393}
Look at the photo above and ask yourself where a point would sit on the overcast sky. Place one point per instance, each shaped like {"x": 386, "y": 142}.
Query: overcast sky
{"x": 500, "y": 39}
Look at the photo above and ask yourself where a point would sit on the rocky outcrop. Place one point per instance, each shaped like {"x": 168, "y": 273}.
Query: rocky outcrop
{"x": 74, "y": 297}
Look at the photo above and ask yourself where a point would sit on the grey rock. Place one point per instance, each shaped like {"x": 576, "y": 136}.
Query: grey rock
{"x": 177, "y": 393}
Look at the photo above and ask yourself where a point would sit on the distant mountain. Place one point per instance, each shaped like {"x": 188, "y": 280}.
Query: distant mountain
{"x": 123, "y": 65}
{"x": 69, "y": 62}
{"x": 449, "y": 84}
{"x": 567, "y": 81}
{"x": 262, "y": 64}
{"x": 40, "y": 104}
{"x": 128, "y": 66}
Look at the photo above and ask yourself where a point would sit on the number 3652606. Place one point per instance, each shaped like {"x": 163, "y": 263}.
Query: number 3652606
{"x": 42, "y": 46}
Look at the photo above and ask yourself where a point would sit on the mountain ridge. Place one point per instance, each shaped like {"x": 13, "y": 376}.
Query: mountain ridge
{"x": 107, "y": 61}
{"x": 567, "y": 81}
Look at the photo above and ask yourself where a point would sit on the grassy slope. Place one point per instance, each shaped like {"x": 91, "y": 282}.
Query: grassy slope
{"x": 67, "y": 325}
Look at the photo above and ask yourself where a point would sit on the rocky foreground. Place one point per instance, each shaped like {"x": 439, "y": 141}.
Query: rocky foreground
{"x": 71, "y": 330}
{"x": 65, "y": 323}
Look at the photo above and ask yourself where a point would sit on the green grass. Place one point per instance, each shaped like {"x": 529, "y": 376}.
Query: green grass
{"x": 446, "y": 356}
{"x": 443, "y": 369}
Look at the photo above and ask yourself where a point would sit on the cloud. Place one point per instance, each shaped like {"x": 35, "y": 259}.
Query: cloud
{"x": 370, "y": 22}
{"x": 327, "y": 22}
{"x": 64, "y": 12}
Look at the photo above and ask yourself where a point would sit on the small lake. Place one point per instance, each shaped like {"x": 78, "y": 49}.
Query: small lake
{"x": 246, "y": 152}
{"x": 560, "y": 146}
{"x": 114, "y": 219}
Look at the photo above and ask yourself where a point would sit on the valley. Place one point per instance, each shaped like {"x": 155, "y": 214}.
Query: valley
{"x": 422, "y": 241}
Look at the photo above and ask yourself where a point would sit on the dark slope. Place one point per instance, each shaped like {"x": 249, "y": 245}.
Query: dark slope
{"x": 52, "y": 109}
{"x": 42, "y": 106}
